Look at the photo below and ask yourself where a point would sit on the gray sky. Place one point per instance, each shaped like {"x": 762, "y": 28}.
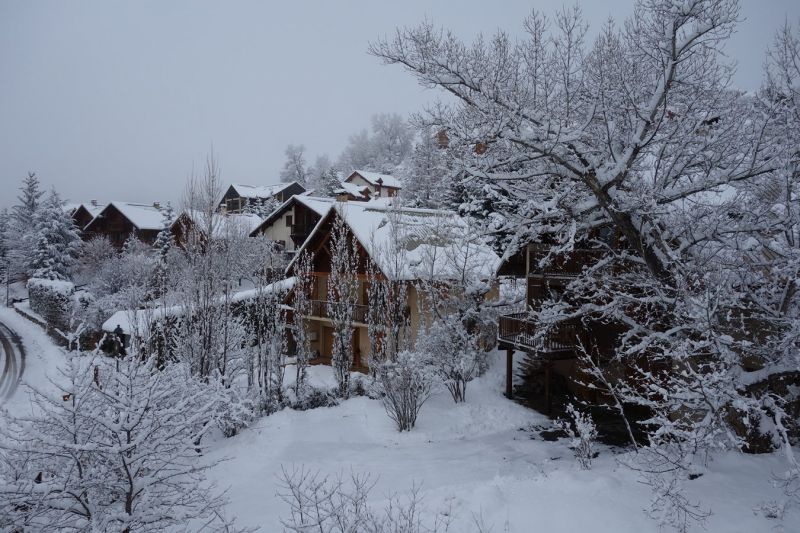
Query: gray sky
{"x": 118, "y": 100}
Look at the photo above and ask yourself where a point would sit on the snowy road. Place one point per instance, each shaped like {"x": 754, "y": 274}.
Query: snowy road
{"x": 12, "y": 361}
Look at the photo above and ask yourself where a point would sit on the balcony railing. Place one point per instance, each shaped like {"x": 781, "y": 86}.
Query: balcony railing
{"x": 561, "y": 265}
{"x": 519, "y": 330}
{"x": 320, "y": 308}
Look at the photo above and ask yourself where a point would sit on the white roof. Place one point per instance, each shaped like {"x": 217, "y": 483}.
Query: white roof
{"x": 260, "y": 191}
{"x": 321, "y": 206}
{"x": 352, "y": 189}
{"x": 143, "y": 217}
{"x": 248, "y": 222}
{"x": 409, "y": 244}
{"x": 386, "y": 179}
{"x": 140, "y": 319}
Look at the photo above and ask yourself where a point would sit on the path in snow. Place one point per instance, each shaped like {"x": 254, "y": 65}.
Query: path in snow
{"x": 12, "y": 361}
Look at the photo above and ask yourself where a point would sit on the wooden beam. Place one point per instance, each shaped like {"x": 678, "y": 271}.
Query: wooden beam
{"x": 509, "y": 373}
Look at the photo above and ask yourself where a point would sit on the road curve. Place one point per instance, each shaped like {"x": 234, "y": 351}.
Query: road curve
{"x": 12, "y": 361}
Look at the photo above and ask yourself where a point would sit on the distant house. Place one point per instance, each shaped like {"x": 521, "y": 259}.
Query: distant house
{"x": 380, "y": 185}
{"x": 223, "y": 225}
{"x": 82, "y": 214}
{"x": 236, "y": 197}
{"x": 351, "y": 192}
{"x": 380, "y": 232}
{"x": 118, "y": 220}
{"x": 292, "y": 223}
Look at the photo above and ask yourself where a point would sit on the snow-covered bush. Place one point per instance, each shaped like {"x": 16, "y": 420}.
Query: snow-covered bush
{"x": 583, "y": 432}
{"x": 404, "y": 384}
{"x": 313, "y": 397}
{"x": 115, "y": 449}
{"x": 52, "y": 300}
{"x": 453, "y": 354}
{"x": 335, "y": 504}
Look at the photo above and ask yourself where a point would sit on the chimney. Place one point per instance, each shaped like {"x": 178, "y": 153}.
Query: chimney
{"x": 157, "y": 205}
{"x": 94, "y": 203}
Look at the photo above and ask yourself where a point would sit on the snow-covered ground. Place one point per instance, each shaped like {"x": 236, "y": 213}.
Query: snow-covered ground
{"x": 477, "y": 459}
{"x": 42, "y": 359}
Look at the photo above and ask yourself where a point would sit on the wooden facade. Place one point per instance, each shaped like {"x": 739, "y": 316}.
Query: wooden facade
{"x": 117, "y": 227}
{"x": 235, "y": 201}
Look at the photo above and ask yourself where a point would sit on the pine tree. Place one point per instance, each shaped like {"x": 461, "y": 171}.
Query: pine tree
{"x": 54, "y": 241}
{"x": 164, "y": 240}
{"x": 4, "y": 240}
{"x": 329, "y": 183}
{"x": 21, "y": 225}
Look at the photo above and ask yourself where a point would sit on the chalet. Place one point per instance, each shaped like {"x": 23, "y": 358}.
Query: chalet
{"x": 380, "y": 185}
{"x": 237, "y": 197}
{"x": 238, "y": 224}
{"x": 351, "y": 192}
{"x": 551, "y": 371}
{"x": 118, "y": 220}
{"x": 292, "y": 223}
{"x": 401, "y": 244}
{"x": 82, "y": 214}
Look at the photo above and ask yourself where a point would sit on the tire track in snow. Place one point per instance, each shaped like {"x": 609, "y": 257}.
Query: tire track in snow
{"x": 13, "y": 361}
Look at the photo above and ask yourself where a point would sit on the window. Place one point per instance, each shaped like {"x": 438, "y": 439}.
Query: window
{"x": 288, "y": 221}
{"x": 233, "y": 205}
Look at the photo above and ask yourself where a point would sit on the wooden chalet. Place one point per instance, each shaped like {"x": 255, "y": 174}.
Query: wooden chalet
{"x": 379, "y": 185}
{"x": 374, "y": 229}
{"x": 552, "y": 374}
{"x": 118, "y": 220}
{"x": 237, "y": 196}
{"x": 292, "y": 223}
{"x": 223, "y": 225}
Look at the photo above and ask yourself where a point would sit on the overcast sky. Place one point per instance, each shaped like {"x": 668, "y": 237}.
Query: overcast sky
{"x": 118, "y": 100}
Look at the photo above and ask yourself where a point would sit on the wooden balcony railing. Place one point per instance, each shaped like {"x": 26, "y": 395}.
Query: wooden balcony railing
{"x": 519, "y": 330}
{"x": 319, "y": 308}
{"x": 566, "y": 265}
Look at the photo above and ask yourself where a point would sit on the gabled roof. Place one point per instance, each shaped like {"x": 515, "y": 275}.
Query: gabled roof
{"x": 222, "y": 223}
{"x": 143, "y": 217}
{"x": 352, "y": 189}
{"x": 261, "y": 191}
{"x": 409, "y": 244}
{"x": 321, "y": 206}
{"x": 387, "y": 180}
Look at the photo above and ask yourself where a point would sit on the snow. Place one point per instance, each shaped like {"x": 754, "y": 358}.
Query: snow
{"x": 352, "y": 189}
{"x": 62, "y": 287}
{"x": 319, "y": 205}
{"x": 248, "y": 222}
{"x": 387, "y": 180}
{"x": 260, "y": 191}
{"x": 143, "y": 317}
{"x": 42, "y": 360}
{"x": 144, "y": 217}
{"x": 441, "y": 237}
{"x": 479, "y": 458}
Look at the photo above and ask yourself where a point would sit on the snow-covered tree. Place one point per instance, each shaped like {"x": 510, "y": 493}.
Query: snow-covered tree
{"x": 54, "y": 241}
{"x": 115, "y": 449}
{"x": 295, "y": 168}
{"x": 261, "y": 207}
{"x": 404, "y": 384}
{"x": 22, "y": 224}
{"x": 163, "y": 244}
{"x": 384, "y": 150}
{"x": 5, "y": 258}
{"x": 343, "y": 288}
{"x": 427, "y": 178}
{"x": 301, "y": 306}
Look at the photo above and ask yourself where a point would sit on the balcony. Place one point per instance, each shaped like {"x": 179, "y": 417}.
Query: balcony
{"x": 319, "y": 309}
{"x": 299, "y": 233}
{"x": 568, "y": 265}
{"x": 519, "y": 331}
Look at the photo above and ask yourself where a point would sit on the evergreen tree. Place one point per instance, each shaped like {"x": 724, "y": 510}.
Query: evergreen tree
{"x": 164, "y": 240}
{"x": 329, "y": 183}
{"x": 4, "y": 254}
{"x": 54, "y": 241}
{"x": 21, "y": 225}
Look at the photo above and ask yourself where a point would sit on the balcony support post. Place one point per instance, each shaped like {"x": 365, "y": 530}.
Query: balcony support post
{"x": 509, "y": 373}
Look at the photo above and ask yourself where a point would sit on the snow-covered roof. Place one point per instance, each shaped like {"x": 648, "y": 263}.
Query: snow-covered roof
{"x": 408, "y": 244}
{"x": 387, "y": 180}
{"x": 143, "y": 217}
{"x": 141, "y": 319}
{"x": 352, "y": 189}
{"x": 222, "y": 223}
{"x": 260, "y": 191}
{"x": 319, "y": 205}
